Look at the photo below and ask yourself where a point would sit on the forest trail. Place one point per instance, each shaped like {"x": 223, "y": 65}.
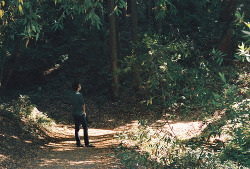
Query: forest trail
{"x": 63, "y": 153}
{"x": 60, "y": 151}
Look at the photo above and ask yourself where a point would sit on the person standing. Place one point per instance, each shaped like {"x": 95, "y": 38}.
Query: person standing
{"x": 79, "y": 114}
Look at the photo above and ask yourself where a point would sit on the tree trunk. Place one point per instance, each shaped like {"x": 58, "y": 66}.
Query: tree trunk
{"x": 150, "y": 14}
{"x": 129, "y": 6}
{"x": 117, "y": 36}
{"x": 11, "y": 67}
{"x": 124, "y": 11}
{"x": 227, "y": 45}
{"x": 148, "y": 11}
{"x": 135, "y": 66}
{"x": 113, "y": 49}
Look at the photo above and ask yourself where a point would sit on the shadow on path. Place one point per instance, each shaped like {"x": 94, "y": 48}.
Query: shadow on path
{"x": 64, "y": 153}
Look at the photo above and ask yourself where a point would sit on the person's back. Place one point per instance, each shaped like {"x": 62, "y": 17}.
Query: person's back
{"x": 79, "y": 114}
{"x": 77, "y": 102}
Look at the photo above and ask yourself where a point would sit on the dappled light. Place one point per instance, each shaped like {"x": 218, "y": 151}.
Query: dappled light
{"x": 64, "y": 153}
{"x": 185, "y": 130}
{"x": 124, "y": 84}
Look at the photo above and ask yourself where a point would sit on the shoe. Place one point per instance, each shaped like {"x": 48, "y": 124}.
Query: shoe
{"x": 89, "y": 145}
{"x": 79, "y": 145}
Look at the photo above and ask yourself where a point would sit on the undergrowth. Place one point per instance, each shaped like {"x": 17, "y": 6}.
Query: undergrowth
{"x": 173, "y": 88}
{"x": 154, "y": 148}
{"x": 33, "y": 120}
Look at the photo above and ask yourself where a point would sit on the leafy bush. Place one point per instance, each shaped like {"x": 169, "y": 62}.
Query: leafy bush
{"x": 237, "y": 109}
{"x": 23, "y": 110}
{"x": 171, "y": 80}
{"x": 171, "y": 85}
{"x": 153, "y": 148}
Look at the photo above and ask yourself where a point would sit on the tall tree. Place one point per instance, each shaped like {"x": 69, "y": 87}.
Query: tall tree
{"x": 158, "y": 20}
{"x": 24, "y": 20}
{"x": 149, "y": 12}
{"x": 135, "y": 66}
{"x": 113, "y": 48}
{"x": 18, "y": 20}
{"x": 227, "y": 45}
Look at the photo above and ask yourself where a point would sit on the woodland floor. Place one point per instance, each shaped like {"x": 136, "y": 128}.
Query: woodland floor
{"x": 19, "y": 150}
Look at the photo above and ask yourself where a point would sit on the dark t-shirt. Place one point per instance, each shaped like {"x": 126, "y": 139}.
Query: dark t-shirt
{"x": 77, "y": 102}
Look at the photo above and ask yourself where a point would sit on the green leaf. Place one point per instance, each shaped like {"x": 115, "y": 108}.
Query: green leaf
{"x": 33, "y": 28}
{"x": 237, "y": 57}
{"x": 222, "y": 77}
{"x": 246, "y": 32}
{"x": 37, "y": 36}
{"x": 123, "y": 3}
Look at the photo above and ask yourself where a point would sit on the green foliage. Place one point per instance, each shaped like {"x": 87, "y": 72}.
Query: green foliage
{"x": 218, "y": 56}
{"x": 243, "y": 49}
{"x": 119, "y": 5}
{"x": 24, "y": 16}
{"x": 161, "y": 147}
{"x": 163, "y": 7}
{"x": 21, "y": 18}
{"x": 168, "y": 82}
{"x": 243, "y": 53}
{"x": 89, "y": 9}
{"x": 238, "y": 125}
{"x": 23, "y": 110}
{"x": 145, "y": 145}
{"x": 170, "y": 85}
{"x": 181, "y": 71}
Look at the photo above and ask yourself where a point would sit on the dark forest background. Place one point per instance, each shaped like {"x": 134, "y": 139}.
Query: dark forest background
{"x": 111, "y": 47}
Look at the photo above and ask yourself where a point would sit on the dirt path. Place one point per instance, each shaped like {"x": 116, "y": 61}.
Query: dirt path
{"x": 65, "y": 154}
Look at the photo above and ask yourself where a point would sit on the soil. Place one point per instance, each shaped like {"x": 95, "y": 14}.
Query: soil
{"x": 63, "y": 153}
{"x": 20, "y": 149}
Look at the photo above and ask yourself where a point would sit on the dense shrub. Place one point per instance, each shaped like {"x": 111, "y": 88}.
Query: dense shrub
{"x": 146, "y": 146}
{"x": 24, "y": 111}
{"x": 204, "y": 85}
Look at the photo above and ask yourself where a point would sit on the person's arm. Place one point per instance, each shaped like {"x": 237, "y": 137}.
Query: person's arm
{"x": 83, "y": 105}
{"x": 84, "y": 110}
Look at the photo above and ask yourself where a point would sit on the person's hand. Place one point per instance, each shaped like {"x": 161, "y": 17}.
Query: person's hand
{"x": 84, "y": 114}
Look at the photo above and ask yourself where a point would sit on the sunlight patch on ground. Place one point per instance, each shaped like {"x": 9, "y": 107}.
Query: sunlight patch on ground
{"x": 15, "y": 137}
{"x": 62, "y": 146}
{"x": 2, "y": 157}
{"x": 65, "y": 154}
{"x": 69, "y": 131}
{"x": 80, "y": 162}
{"x": 129, "y": 126}
{"x": 85, "y": 161}
{"x": 100, "y": 138}
{"x": 58, "y": 163}
{"x": 99, "y": 132}
{"x": 185, "y": 130}
{"x": 49, "y": 162}
{"x": 182, "y": 130}
{"x": 63, "y": 130}
{"x": 28, "y": 141}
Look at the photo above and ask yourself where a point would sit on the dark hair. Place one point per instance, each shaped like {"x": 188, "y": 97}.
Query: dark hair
{"x": 75, "y": 86}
